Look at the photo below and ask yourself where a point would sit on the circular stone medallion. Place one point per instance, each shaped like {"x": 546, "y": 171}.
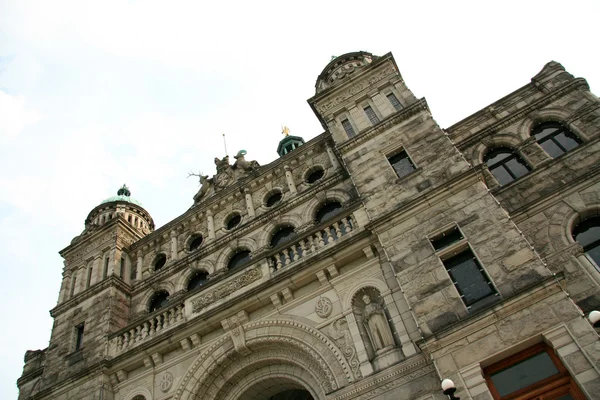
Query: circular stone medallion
{"x": 324, "y": 307}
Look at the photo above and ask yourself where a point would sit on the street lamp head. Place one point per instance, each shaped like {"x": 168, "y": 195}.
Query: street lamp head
{"x": 447, "y": 384}
{"x": 594, "y": 318}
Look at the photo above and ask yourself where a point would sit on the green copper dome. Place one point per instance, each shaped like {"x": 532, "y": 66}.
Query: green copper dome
{"x": 123, "y": 194}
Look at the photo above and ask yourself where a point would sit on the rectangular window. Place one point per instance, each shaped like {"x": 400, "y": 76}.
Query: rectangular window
{"x": 122, "y": 271}
{"x": 371, "y": 114}
{"x": 447, "y": 238}
{"x": 79, "y": 336}
{"x": 348, "y": 128}
{"x": 73, "y": 283}
{"x": 402, "y": 164}
{"x": 394, "y": 101}
{"x": 468, "y": 276}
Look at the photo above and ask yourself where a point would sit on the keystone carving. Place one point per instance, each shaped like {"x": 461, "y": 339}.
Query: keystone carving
{"x": 234, "y": 326}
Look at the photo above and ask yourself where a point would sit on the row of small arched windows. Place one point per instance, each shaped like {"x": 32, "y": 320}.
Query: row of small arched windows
{"x": 242, "y": 256}
{"x": 506, "y": 165}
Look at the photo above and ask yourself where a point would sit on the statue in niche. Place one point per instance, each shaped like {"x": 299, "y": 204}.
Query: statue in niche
{"x": 377, "y": 325}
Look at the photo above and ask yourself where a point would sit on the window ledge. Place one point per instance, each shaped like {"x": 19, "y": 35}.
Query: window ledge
{"x": 74, "y": 357}
{"x": 410, "y": 175}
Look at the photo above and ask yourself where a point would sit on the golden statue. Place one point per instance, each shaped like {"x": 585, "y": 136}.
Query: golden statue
{"x": 286, "y": 131}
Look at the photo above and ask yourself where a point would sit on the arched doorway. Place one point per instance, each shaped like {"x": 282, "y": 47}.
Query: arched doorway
{"x": 279, "y": 388}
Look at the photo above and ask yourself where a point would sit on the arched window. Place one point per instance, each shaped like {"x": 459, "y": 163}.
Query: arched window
{"x": 239, "y": 259}
{"x": 197, "y": 280}
{"x": 505, "y": 164}
{"x": 160, "y": 262}
{"x": 328, "y": 211}
{"x": 315, "y": 174}
{"x": 232, "y": 221}
{"x": 196, "y": 242}
{"x": 159, "y": 300}
{"x": 282, "y": 235}
{"x": 273, "y": 198}
{"x": 555, "y": 139}
{"x": 587, "y": 234}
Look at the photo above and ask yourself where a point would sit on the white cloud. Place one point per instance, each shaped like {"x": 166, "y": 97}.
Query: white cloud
{"x": 14, "y": 115}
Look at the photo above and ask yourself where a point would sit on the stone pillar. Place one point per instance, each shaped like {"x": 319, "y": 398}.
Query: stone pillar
{"x": 408, "y": 347}
{"x": 97, "y": 266}
{"x": 64, "y": 288}
{"x": 334, "y": 161}
{"x": 359, "y": 119}
{"x": 361, "y": 352}
{"x": 140, "y": 262}
{"x": 173, "y": 245}
{"x": 211, "y": 225}
{"x": 290, "y": 180}
{"x": 249, "y": 203}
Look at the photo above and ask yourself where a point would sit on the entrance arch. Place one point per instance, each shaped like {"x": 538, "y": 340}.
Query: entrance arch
{"x": 276, "y": 356}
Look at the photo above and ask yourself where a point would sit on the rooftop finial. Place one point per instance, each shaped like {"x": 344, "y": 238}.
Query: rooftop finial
{"x": 286, "y": 131}
{"x": 124, "y": 191}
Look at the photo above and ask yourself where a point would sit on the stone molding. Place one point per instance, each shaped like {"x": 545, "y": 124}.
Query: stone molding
{"x": 227, "y": 288}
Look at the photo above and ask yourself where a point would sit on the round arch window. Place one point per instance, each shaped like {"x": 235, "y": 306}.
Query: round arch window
{"x": 273, "y": 198}
{"x": 233, "y": 221}
{"x": 159, "y": 300}
{"x": 555, "y": 138}
{"x": 505, "y": 164}
{"x": 197, "y": 280}
{"x": 160, "y": 262}
{"x": 587, "y": 234}
{"x": 239, "y": 259}
{"x": 282, "y": 235}
{"x": 328, "y": 211}
{"x": 314, "y": 175}
{"x": 196, "y": 242}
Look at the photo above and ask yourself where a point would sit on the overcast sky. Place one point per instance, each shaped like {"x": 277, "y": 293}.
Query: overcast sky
{"x": 94, "y": 94}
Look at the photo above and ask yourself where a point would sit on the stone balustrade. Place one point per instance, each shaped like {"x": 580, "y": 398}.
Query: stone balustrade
{"x": 312, "y": 243}
{"x": 148, "y": 329}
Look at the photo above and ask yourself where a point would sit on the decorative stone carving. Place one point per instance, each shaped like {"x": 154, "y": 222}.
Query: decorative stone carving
{"x": 341, "y": 334}
{"x": 324, "y": 307}
{"x": 377, "y": 326}
{"x": 234, "y": 285}
{"x": 234, "y": 326}
{"x": 166, "y": 382}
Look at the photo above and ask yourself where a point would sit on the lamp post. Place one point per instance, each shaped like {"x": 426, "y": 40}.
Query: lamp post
{"x": 449, "y": 389}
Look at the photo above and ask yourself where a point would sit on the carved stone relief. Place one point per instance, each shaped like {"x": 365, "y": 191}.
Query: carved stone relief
{"x": 324, "y": 307}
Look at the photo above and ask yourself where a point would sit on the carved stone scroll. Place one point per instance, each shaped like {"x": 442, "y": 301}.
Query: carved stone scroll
{"x": 252, "y": 275}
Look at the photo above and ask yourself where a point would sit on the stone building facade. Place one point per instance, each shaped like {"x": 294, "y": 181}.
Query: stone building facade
{"x": 370, "y": 262}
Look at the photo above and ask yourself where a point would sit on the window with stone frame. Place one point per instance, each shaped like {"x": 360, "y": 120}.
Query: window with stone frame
{"x": 506, "y": 165}
{"x": 401, "y": 163}
{"x": 394, "y": 101}
{"x": 348, "y": 128}
{"x": 534, "y": 373}
{"x": 555, "y": 138}
{"x": 79, "y": 329}
{"x": 468, "y": 276}
{"x": 373, "y": 118}
{"x": 587, "y": 234}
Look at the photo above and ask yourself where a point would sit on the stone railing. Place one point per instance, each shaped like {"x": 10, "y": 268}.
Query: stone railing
{"x": 312, "y": 243}
{"x": 148, "y": 329}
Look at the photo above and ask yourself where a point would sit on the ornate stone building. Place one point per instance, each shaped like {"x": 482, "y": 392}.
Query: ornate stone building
{"x": 370, "y": 262}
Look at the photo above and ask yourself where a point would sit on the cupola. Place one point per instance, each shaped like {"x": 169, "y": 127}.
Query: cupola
{"x": 289, "y": 142}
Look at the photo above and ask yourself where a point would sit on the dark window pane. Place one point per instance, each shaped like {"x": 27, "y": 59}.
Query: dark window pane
{"x": 282, "y": 235}
{"x": 394, "y": 101}
{"x": 328, "y": 211}
{"x": 371, "y": 115}
{"x": 497, "y": 155}
{"x": 587, "y": 233}
{"x": 447, "y": 239}
{"x": 348, "y": 128}
{"x": 594, "y": 254}
{"x": 160, "y": 262}
{"x": 233, "y": 221}
{"x": 501, "y": 175}
{"x": 523, "y": 374}
{"x": 551, "y": 148}
{"x": 196, "y": 242}
{"x": 517, "y": 167}
{"x": 79, "y": 336}
{"x": 315, "y": 176}
{"x": 402, "y": 164}
{"x": 239, "y": 259}
{"x": 544, "y": 131}
{"x": 567, "y": 140}
{"x": 199, "y": 279}
{"x": 273, "y": 199}
{"x": 160, "y": 300}
{"x": 468, "y": 278}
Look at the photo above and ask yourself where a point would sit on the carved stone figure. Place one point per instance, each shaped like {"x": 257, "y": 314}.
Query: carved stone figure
{"x": 241, "y": 164}
{"x": 204, "y": 189}
{"x": 377, "y": 326}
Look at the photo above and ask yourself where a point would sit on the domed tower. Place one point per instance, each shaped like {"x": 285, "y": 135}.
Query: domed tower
{"x": 98, "y": 279}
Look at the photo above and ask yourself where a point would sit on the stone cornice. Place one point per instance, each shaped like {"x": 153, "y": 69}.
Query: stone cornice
{"x": 577, "y": 83}
{"x": 388, "y": 123}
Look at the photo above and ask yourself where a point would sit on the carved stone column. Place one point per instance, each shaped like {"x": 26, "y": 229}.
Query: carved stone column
{"x": 211, "y": 224}
{"x": 408, "y": 347}
{"x": 361, "y": 352}
{"x": 173, "y": 245}
{"x": 334, "y": 161}
{"x": 140, "y": 262}
{"x": 290, "y": 180}
{"x": 249, "y": 203}
{"x": 97, "y": 269}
